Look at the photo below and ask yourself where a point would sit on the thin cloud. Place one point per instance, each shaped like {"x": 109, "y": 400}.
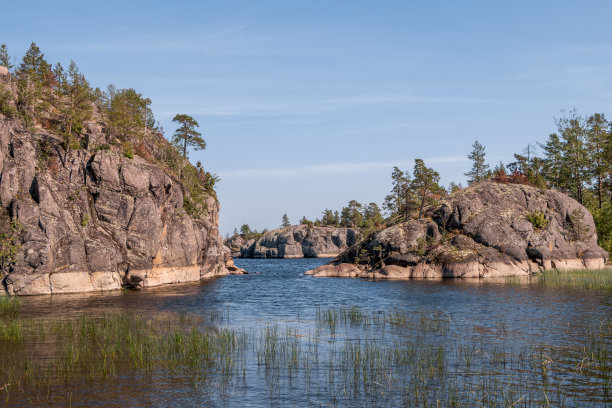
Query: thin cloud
{"x": 334, "y": 168}
{"x": 315, "y": 107}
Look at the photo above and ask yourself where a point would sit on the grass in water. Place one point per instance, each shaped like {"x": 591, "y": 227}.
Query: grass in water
{"x": 349, "y": 357}
{"x": 9, "y": 306}
{"x": 580, "y": 279}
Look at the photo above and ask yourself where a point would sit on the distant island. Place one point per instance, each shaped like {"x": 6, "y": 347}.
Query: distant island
{"x": 299, "y": 241}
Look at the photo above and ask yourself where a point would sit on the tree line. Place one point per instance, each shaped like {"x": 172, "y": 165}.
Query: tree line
{"x": 576, "y": 160}
{"x": 62, "y": 101}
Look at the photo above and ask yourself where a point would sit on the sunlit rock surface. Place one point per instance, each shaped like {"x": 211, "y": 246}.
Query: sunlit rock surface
{"x": 482, "y": 231}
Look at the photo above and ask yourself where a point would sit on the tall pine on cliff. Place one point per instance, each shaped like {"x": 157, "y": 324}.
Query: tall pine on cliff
{"x": 33, "y": 75}
{"x": 74, "y": 106}
{"x": 480, "y": 168}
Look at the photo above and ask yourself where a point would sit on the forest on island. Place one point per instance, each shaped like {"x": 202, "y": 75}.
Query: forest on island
{"x": 576, "y": 160}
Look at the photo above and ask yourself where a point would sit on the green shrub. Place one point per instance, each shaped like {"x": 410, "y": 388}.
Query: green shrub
{"x": 603, "y": 224}
{"x": 74, "y": 144}
{"x": 127, "y": 150}
{"x": 538, "y": 220}
{"x": 6, "y": 107}
{"x": 9, "y": 243}
{"x": 84, "y": 220}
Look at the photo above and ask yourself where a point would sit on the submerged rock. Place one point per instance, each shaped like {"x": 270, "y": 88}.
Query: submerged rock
{"x": 300, "y": 241}
{"x": 487, "y": 230}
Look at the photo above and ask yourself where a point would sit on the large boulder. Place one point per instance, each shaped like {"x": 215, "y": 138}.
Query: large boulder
{"x": 94, "y": 220}
{"x": 489, "y": 229}
{"x": 300, "y": 241}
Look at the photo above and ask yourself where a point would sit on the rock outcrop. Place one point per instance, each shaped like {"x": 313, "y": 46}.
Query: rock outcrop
{"x": 235, "y": 243}
{"x": 487, "y": 230}
{"x": 300, "y": 241}
{"x": 95, "y": 220}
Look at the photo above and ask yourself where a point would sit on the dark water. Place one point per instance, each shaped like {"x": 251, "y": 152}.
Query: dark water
{"x": 491, "y": 316}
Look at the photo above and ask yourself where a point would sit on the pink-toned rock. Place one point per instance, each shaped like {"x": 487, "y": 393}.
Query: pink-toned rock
{"x": 482, "y": 232}
{"x": 342, "y": 270}
{"x": 94, "y": 220}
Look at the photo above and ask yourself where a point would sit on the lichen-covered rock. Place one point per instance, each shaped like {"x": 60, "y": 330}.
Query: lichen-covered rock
{"x": 94, "y": 220}
{"x": 300, "y": 241}
{"x": 482, "y": 231}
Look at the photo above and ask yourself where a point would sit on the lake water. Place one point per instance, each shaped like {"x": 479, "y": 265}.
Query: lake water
{"x": 419, "y": 343}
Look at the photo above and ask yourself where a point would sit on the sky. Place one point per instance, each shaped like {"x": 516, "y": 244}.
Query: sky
{"x": 307, "y": 105}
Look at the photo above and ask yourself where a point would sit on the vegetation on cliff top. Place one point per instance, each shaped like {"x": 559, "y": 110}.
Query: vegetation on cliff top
{"x": 63, "y": 103}
{"x": 577, "y": 160}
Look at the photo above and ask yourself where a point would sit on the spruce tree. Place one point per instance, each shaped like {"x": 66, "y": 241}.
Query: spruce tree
{"x": 186, "y": 135}
{"x": 480, "y": 169}
{"x": 285, "y": 221}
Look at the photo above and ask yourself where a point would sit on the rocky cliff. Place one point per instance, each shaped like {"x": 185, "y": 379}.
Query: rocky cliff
{"x": 488, "y": 229}
{"x": 93, "y": 219}
{"x": 300, "y": 241}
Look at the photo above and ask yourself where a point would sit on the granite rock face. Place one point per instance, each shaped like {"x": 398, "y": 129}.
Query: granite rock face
{"x": 482, "y": 231}
{"x": 300, "y": 241}
{"x": 94, "y": 220}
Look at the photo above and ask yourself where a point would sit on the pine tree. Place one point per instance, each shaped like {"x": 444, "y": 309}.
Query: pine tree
{"x": 398, "y": 202}
{"x": 245, "y": 230}
{"x": 285, "y": 221}
{"x": 351, "y": 216}
{"x": 5, "y": 60}
{"x": 425, "y": 185}
{"x": 32, "y": 81}
{"x": 480, "y": 169}
{"x": 186, "y": 135}
{"x": 597, "y": 135}
{"x": 74, "y": 104}
{"x": 328, "y": 218}
{"x": 553, "y": 166}
{"x": 128, "y": 112}
{"x": 372, "y": 217}
{"x": 454, "y": 187}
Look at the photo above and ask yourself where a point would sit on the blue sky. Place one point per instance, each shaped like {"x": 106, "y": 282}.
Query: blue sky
{"x": 307, "y": 105}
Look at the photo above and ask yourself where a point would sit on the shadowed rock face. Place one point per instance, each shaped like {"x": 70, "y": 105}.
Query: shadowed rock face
{"x": 300, "y": 241}
{"x": 482, "y": 231}
{"x": 100, "y": 221}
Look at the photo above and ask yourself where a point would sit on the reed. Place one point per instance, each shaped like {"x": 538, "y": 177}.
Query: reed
{"x": 364, "y": 357}
{"x": 579, "y": 279}
{"x": 9, "y": 306}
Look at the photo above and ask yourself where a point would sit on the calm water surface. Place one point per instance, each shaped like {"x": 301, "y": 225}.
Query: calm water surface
{"x": 276, "y": 293}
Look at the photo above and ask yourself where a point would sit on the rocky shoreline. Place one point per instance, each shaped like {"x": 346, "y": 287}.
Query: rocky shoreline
{"x": 487, "y": 230}
{"x": 94, "y": 219}
{"x": 299, "y": 241}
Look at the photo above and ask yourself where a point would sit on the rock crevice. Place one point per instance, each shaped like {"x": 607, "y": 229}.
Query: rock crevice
{"x": 94, "y": 220}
